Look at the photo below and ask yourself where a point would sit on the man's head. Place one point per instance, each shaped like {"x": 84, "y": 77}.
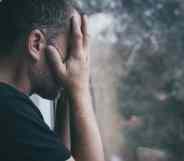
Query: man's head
{"x": 27, "y": 27}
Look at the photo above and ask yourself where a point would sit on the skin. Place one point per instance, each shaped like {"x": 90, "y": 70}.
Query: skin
{"x": 43, "y": 69}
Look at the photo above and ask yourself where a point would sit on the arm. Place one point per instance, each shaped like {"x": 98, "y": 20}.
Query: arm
{"x": 62, "y": 120}
{"x": 86, "y": 142}
{"x": 84, "y": 128}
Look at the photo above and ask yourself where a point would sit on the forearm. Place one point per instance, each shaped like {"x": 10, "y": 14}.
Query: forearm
{"x": 86, "y": 143}
{"x": 62, "y": 121}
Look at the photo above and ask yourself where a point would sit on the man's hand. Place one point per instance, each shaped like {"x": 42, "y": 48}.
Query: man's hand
{"x": 74, "y": 72}
{"x": 86, "y": 142}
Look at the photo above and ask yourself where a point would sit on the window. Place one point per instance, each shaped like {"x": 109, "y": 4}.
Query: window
{"x": 137, "y": 77}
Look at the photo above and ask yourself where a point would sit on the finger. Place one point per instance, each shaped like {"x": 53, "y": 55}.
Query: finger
{"x": 77, "y": 43}
{"x": 85, "y": 37}
{"x": 56, "y": 61}
{"x": 85, "y": 31}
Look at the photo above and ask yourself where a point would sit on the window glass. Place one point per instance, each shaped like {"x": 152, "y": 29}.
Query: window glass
{"x": 137, "y": 77}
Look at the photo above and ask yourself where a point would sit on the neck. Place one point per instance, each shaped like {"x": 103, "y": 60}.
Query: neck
{"x": 13, "y": 73}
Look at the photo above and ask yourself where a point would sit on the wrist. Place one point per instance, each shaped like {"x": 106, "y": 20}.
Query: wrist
{"x": 76, "y": 88}
{"x": 79, "y": 92}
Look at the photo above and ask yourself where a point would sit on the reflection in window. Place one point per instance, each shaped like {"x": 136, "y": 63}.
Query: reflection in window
{"x": 137, "y": 76}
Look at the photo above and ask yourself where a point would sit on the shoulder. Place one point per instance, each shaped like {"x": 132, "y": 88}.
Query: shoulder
{"x": 13, "y": 101}
{"x": 28, "y": 133}
{"x": 19, "y": 106}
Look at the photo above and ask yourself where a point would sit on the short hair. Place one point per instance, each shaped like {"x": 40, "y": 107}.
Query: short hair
{"x": 22, "y": 16}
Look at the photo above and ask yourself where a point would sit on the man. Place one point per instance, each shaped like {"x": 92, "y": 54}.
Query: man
{"x": 43, "y": 48}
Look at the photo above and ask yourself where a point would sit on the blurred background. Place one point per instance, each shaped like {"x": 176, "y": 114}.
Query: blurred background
{"x": 137, "y": 77}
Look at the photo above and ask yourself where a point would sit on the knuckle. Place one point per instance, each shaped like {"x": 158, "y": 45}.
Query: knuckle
{"x": 78, "y": 36}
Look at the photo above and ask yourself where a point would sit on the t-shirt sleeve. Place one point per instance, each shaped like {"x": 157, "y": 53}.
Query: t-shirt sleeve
{"x": 33, "y": 138}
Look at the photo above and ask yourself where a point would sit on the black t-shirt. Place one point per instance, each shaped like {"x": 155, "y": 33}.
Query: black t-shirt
{"x": 24, "y": 136}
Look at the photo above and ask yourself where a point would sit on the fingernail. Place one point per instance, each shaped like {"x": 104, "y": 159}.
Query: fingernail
{"x": 50, "y": 46}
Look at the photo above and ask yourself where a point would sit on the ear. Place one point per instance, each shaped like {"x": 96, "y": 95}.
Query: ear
{"x": 36, "y": 44}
